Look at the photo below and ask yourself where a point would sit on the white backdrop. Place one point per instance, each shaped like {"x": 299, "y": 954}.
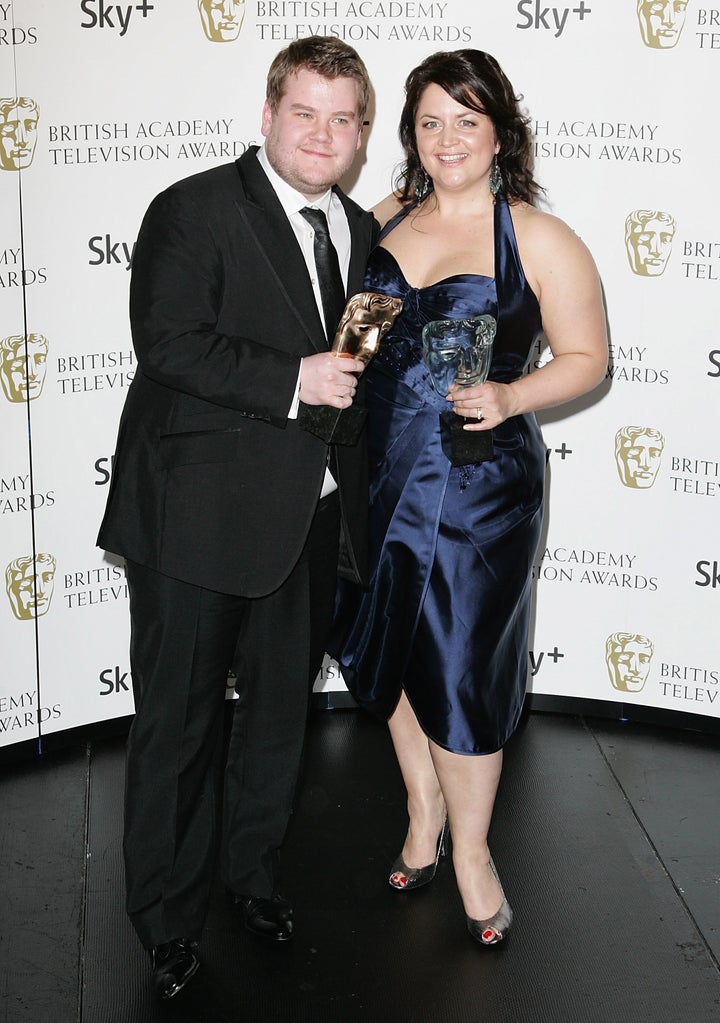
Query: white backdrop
{"x": 120, "y": 99}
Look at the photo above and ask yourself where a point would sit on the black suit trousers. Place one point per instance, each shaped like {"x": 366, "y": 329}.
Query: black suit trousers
{"x": 179, "y": 776}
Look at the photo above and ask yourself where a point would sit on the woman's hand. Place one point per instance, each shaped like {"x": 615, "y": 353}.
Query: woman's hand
{"x": 491, "y": 403}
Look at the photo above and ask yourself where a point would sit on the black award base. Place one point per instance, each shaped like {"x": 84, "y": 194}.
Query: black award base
{"x": 463, "y": 447}
{"x": 333, "y": 425}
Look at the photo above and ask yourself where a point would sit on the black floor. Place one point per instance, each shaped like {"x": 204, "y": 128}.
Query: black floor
{"x": 607, "y": 838}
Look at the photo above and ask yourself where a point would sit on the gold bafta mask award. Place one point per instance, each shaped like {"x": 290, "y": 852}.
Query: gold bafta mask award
{"x": 366, "y": 320}
{"x": 460, "y": 352}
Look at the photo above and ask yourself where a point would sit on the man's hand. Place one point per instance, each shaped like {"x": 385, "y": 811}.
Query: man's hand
{"x": 327, "y": 379}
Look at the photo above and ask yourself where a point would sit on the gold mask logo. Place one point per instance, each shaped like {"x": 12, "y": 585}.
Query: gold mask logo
{"x": 19, "y": 117}
{"x": 30, "y": 583}
{"x": 661, "y": 22}
{"x": 23, "y": 363}
{"x": 628, "y": 657}
{"x": 638, "y": 452}
{"x": 648, "y": 241}
{"x": 221, "y": 19}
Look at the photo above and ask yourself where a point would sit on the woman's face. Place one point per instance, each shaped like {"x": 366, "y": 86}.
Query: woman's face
{"x": 456, "y": 145}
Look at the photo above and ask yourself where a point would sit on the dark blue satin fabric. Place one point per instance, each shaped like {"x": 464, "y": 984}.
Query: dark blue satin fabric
{"x": 447, "y": 613}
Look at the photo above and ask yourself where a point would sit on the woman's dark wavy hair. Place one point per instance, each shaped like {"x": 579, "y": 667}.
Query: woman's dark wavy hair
{"x": 476, "y": 80}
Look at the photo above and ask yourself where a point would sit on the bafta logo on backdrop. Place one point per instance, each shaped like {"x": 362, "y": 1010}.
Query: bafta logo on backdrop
{"x": 628, "y": 657}
{"x": 661, "y": 22}
{"x": 221, "y": 19}
{"x": 23, "y": 367}
{"x": 30, "y": 583}
{"x": 648, "y": 241}
{"x": 638, "y": 452}
{"x": 19, "y": 117}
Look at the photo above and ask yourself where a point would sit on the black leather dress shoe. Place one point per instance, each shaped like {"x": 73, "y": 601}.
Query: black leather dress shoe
{"x": 270, "y": 918}
{"x": 174, "y": 964}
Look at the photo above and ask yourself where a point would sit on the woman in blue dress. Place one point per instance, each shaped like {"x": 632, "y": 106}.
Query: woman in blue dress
{"x": 438, "y": 644}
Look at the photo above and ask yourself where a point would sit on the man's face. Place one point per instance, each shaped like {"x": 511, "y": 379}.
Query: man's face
{"x": 222, "y": 19}
{"x": 629, "y": 665}
{"x": 31, "y": 599}
{"x": 18, "y": 135}
{"x": 650, "y": 245}
{"x": 639, "y": 461}
{"x": 661, "y": 22}
{"x": 312, "y": 137}
{"x": 23, "y": 380}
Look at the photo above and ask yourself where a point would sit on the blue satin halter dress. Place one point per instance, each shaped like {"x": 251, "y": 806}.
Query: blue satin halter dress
{"x": 446, "y": 615}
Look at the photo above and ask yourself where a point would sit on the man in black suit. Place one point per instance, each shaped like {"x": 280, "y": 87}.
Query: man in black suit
{"x": 232, "y": 518}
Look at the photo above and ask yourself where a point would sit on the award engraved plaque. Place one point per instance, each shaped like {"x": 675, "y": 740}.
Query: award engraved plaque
{"x": 459, "y": 351}
{"x": 367, "y": 318}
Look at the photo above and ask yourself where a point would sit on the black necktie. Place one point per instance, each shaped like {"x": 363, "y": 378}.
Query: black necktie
{"x": 332, "y": 291}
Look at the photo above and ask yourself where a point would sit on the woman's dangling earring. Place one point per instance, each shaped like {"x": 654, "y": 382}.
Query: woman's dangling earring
{"x": 496, "y": 181}
{"x": 423, "y": 186}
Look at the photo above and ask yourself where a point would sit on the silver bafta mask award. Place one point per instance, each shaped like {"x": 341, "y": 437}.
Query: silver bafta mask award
{"x": 367, "y": 318}
{"x": 460, "y": 351}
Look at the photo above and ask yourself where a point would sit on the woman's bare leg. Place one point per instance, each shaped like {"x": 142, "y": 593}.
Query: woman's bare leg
{"x": 426, "y": 807}
{"x": 469, "y": 784}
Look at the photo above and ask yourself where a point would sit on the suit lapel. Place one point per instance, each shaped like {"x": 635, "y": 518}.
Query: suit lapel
{"x": 264, "y": 217}
{"x": 260, "y": 209}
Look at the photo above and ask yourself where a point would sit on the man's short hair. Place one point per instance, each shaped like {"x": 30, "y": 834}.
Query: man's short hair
{"x": 325, "y": 55}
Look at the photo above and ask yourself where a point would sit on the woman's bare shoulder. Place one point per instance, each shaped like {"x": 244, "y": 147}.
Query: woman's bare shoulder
{"x": 538, "y": 226}
{"x": 550, "y": 251}
{"x": 386, "y": 209}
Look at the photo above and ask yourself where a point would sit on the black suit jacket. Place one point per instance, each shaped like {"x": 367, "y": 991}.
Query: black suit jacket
{"x": 212, "y": 484}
